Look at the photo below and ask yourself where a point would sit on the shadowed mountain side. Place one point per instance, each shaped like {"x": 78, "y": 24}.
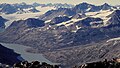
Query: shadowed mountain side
{"x": 8, "y": 56}
{"x": 2, "y": 22}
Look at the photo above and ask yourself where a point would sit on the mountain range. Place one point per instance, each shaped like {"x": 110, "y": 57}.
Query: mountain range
{"x": 80, "y": 8}
{"x": 56, "y": 5}
{"x": 21, "y": 8}
{"x": 70, "y": 36}
{"x": 16, "y": 8}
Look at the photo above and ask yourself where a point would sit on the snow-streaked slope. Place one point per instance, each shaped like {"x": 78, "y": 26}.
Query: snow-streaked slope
{"x": 102, "y": 14}
{"x": 70, "y": 22}
{"x": 114, "y": 39}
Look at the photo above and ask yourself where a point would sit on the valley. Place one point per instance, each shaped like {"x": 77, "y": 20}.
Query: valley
{"x": 70, "y": 36}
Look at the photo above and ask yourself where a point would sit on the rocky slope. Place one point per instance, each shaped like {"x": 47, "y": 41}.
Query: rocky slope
{"x": 82, "y": 54}
{"x": 27, "y": 31}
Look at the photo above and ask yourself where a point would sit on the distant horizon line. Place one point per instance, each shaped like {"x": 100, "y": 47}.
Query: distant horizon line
{"x": 58, "y": 3}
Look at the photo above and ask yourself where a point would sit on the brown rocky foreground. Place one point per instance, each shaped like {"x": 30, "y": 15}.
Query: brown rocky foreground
{"x": 114, "y": 63}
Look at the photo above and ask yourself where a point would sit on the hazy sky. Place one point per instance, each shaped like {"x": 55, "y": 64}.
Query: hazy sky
{"x": 97, "y": 2}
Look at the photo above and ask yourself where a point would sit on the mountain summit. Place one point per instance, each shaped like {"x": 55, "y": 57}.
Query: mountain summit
{"x": 105, "y": 6}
